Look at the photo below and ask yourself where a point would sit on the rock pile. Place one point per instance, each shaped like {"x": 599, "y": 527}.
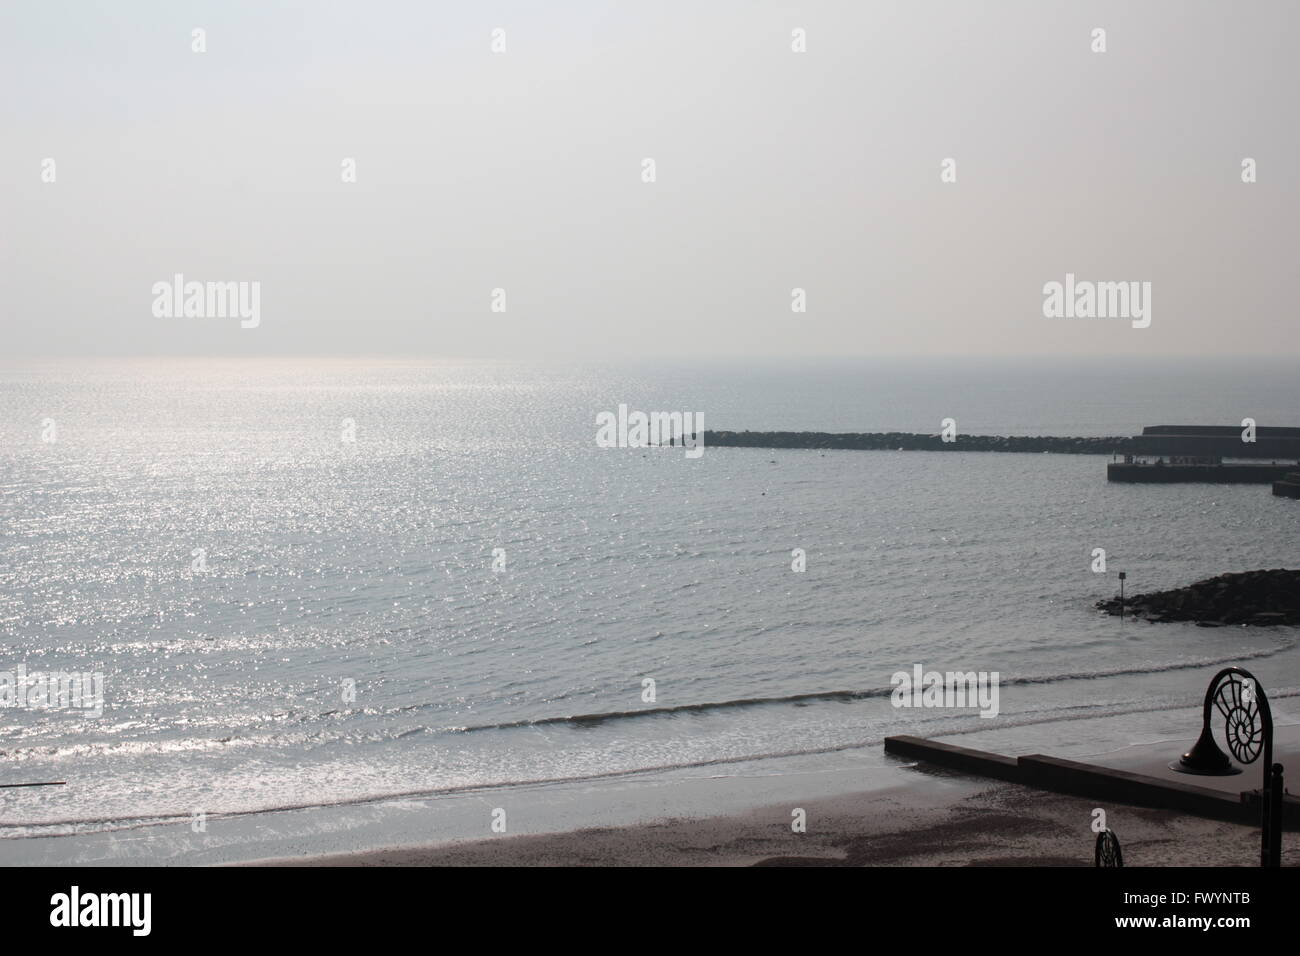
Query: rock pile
{"x": 1248, "y": 597}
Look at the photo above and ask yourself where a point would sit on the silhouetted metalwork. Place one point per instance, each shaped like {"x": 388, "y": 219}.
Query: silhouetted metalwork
{"x": 1107, "y": 851}
{"x": 1271, "y": 854}
{"x": 1236, "y": 700}
{"x": 1248, "y": 728}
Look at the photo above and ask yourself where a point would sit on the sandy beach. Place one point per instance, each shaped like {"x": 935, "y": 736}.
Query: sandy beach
{"x": 967, "y": 822}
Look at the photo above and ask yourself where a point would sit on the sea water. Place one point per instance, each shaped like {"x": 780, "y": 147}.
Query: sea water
{"x": 328, "y": 582}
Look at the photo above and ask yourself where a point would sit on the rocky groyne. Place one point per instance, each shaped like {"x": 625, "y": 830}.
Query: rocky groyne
{"x": 911, "y": 441}
{"x": 1248, "y": 597}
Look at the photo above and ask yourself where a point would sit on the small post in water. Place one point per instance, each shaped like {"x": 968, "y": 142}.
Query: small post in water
{"x": 1122, "y": 576}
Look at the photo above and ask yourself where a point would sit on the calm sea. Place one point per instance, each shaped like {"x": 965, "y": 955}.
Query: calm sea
{"x": 283, "y": 617}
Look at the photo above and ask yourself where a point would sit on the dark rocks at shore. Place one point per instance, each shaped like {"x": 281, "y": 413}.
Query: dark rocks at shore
{"x": 911, "y": 441}
{"x": 1249, "y": 597}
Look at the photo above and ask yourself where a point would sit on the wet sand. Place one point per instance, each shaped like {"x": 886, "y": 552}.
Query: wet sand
{"x": 976, "y": 823}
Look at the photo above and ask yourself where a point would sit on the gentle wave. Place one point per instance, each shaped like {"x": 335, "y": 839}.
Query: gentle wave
{"x": 847, "y": 695}
{"x": 319, "y": 737}
{"x": 73, "y": 826}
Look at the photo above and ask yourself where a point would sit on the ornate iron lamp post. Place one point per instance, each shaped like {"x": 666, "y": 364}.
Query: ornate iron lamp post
{"x": 1237, "y": 694}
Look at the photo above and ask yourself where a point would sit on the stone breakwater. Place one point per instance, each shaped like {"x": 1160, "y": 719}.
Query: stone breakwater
{"x": 1248, "y": 597}
{"x": 911, "y": 441}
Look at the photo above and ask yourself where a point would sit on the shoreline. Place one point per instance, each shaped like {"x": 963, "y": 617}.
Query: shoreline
{"x": 740, "y": 811}
{"x": 971, "y": 822}
{"x": 934, "y": 817}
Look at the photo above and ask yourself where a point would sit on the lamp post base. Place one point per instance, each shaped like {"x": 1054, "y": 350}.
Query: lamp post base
{"x": 1203, "y": 772}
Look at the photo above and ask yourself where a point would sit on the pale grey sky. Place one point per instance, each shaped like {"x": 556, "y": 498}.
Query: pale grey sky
{"x": 522, "y": 170}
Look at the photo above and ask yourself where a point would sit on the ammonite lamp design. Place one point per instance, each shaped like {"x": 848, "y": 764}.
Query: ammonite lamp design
{"x": 1107, "y": 852}
{"x": 1248, "y": 726}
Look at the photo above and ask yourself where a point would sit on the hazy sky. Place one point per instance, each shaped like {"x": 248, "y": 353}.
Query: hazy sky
{"x": 522, "y": 170}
